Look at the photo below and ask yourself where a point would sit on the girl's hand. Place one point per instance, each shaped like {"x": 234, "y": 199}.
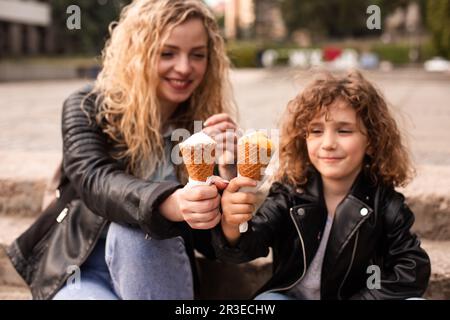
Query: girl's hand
{"x": 223, "y": 130}
{"x": 198, "y": 206}
{"x": 237, "y": 207}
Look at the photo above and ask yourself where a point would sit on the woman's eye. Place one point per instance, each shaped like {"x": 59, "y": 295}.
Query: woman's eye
{"x": 199, "y": 56}
{"x": 166, "y": 54}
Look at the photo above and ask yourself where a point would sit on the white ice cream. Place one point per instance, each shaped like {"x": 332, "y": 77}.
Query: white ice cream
{"x": 198, "y": 138}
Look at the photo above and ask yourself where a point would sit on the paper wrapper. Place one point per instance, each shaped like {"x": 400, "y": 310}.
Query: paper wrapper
{"x": 254, "y": 153}
{"x": 199, "y": 161}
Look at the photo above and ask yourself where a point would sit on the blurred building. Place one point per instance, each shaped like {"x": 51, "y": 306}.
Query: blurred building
{"x": 246, "y": 19}
{"x": 25, "y": 27}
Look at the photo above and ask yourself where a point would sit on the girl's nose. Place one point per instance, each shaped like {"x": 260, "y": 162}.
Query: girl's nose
{"x": 329, "y": 141}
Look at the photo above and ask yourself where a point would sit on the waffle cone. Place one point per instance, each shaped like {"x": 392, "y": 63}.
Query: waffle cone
{"x": 199, "y": 161}
{"x": 253, "y": 159}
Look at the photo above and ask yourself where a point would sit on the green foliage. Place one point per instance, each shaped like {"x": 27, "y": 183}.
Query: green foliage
{"x": 96, "y": 15}
{"x": 438, "y": 19}
{"x": 335, "y": 18}
{"x": 395, "y": 53}
{"x": 243, "y": 54}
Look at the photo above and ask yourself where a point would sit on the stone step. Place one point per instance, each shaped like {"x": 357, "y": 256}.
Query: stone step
{"x": 14, "y": 293}
{"x": 228, "y": 281}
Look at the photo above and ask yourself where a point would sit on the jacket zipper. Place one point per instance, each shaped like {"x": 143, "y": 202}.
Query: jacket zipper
{"x": 350, "y": 266}
{"x": 88, "y": 253}
{"x": 304, "y": 258}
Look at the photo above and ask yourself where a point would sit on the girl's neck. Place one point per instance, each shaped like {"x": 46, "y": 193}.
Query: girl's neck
{"x": 334, "y": 191}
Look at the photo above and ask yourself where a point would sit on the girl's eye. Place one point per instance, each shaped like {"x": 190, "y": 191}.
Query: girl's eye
{"x": 345, "y": 131}
{"x": 315, "y": 131}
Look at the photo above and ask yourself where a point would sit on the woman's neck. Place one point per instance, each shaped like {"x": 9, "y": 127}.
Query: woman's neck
{"x": 167, "y": 110}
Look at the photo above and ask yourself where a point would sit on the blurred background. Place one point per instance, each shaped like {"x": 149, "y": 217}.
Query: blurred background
{"x": 275, "y": 47}
{"x": 259, "y": 33}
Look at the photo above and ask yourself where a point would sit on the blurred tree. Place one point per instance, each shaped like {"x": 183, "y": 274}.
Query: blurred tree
{"x": 335, "y": 18}
{"x": 96, "y": 15}
{"x": 438, "y": 19}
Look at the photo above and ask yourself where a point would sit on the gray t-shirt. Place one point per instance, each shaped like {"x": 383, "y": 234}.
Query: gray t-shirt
{"x": 164, "y": 172}
{"x": 309, "y": 287}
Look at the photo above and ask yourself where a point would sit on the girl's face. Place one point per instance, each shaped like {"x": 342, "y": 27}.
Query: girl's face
{"x": 336, "y": 146}
{"x": 182, "y": 64}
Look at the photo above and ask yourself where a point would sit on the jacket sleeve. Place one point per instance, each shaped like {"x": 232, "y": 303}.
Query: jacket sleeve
{"x": 101, "y": 181}
{"x": 405, "y": 269}
{"x": 262, "y": 231}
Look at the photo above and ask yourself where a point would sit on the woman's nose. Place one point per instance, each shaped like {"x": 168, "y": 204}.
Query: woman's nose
{"x": 183, "y": 65}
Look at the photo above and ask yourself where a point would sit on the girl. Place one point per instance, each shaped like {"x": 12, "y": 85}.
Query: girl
{"x": 337, "y": 227}
{"x": 123, "y": 227}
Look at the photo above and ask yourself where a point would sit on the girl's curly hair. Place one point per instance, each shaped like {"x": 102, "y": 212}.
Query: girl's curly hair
{"x": 388, "y": 160}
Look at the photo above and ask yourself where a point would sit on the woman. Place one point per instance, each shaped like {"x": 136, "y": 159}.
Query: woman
{"x": 123, "y": 227}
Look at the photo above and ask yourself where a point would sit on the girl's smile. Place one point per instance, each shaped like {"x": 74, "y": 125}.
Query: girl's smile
{"x": 337, "y": 142}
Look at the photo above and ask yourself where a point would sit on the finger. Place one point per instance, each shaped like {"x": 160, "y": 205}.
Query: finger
{"x": 239, "y": 182}
{"x": 243, "y": 198}
{"x": 237, "y": 219}
{"x": 201, "y": 217}
{"x": 239, "y": 209}
{"x": 218, "y": 118}
{"x": 203, "y": 205}
{"x": 199, "y": 193}
{"x": 213, "y": 130}
{"x": 219, "y": 182}
{"x": 206, "y": 225}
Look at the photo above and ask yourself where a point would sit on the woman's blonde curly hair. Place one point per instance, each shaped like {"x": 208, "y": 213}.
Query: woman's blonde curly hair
{"x": 129, "y": 111}
{"x": 388, "y": 160}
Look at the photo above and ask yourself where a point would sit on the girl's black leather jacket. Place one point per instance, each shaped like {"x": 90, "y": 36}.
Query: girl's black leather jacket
{"x": 371, "y": 227}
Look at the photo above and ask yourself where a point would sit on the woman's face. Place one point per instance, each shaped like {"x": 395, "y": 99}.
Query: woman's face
{"x": 182, "y": 64}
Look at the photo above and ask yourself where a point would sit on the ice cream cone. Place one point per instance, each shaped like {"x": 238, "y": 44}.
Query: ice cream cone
{"x": 199, "y": 156}
{"x": 254, "y": 152}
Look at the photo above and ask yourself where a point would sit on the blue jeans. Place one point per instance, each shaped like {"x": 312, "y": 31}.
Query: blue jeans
{"x": 273, "y": 296}
{"x": 128, "y": 266}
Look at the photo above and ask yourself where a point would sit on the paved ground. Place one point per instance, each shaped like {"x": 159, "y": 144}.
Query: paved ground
{"x": 30, "y": 142}
{"x": 30, "y": 146}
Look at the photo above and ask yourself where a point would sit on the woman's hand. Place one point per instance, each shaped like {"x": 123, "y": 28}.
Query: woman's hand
{"x": 223, "y": 130}
{"x": 237, "y": 207}
{"x": 198, "y": 206}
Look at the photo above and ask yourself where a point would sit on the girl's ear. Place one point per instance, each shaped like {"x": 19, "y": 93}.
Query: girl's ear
{"x": 369, "y": 150}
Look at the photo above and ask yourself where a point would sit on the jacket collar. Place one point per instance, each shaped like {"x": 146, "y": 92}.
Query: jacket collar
{"x": 363, "y": 188}
{"x": 355, "y": 208}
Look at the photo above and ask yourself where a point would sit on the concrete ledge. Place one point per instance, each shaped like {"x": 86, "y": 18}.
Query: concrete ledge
{"x": 20, "y": 197}
{"x": 432, "y": 212}
{"x": 232, "y": 281}
{"x": 229, "y": 281}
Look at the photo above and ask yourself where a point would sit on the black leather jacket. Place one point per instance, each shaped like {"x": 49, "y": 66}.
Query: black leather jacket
{"x": 94, "y": 189}
{"x": 291, "y": 221}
